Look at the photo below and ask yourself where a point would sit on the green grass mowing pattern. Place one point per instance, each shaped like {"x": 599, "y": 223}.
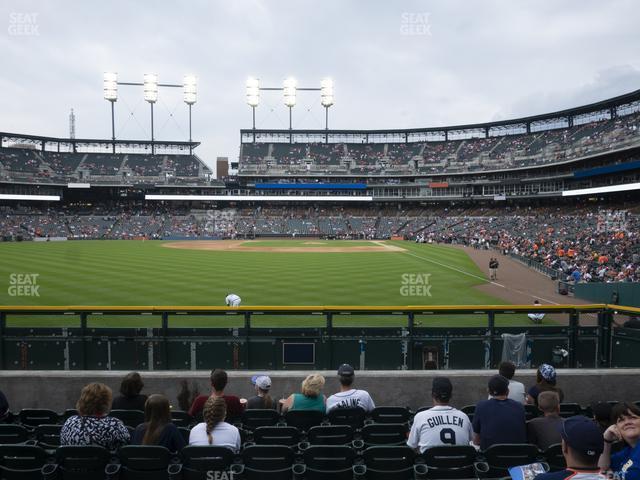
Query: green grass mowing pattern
{"x": 310, "y": 243}
{"x": 146, "y": 273}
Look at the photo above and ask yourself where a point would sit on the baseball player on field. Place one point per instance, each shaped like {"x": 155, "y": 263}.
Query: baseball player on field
{"x": 232, "y": 300}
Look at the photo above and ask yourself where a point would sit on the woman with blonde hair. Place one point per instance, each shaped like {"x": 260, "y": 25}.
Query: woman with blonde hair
{"x": 93, "y": 425}
{"x": 214, "y": 430}
{"x": 310, "y": 398}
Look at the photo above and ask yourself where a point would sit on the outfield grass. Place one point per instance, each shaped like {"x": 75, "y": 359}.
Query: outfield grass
{"x": 146, "y": 273}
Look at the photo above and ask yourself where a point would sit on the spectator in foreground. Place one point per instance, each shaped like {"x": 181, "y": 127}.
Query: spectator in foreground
{"x": 214, "y": 430}
{"x": 499, "y": 419}
{"x": 219, "y": 379}
{"x": 349, "y": 397}
{"x": 130, "y": 397}
{"x": 516, "y": 389}
{"x": 602, "y": 414}
{"x": 545, "y": 381}
{"x": 581, "y": 446}
{"x": 626, "y": 463}
{"x": 310, "y": 398}
{"x": 545, "y": 431}
{"x": 262, "y": 399}
{"x": 93, "y": 425}
{"x": 441, "y": 424}
{"x": 157, "y": 428}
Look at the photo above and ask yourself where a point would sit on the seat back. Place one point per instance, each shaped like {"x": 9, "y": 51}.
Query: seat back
{"x": 197, "y": 460}
{"x": 530, "y": 412}
{"x": 303, "y": 419}
{"x": 354, "y": 417}
{"x": 329, "y": 461}
{"x": 12, "y": 434}
{"x": 501, "y": 457}
{"x": 330, "y": 435}
{"x": 554, "y": 457}
{"x": 450, "y": 461}
{"x": 389, "y": 463}
{"x": 289, "y": 436}
{"x": 390, "y": 415}
{"x": 275, "y": 461}
{"x": 48, "y": 436}
{"x": 21, "y": 462}
{"x": 384, "y": 434}
{"x": 131, "y": 418}
{"x": 254, "y": 418}
{"x": 82, "y": 462}
{"x": 570, "y": 410}
{"x": 470, "y": 410}
{"x": 32, "y": 417}
{"x": 142, "y": 462}
{"x": 180, "y": 418}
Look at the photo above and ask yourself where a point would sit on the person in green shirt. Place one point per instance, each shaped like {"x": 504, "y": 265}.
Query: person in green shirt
{"x": 311, "y": 397}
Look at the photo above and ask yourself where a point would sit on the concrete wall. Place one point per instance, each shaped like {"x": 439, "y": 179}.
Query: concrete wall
{"x": 60, "y": 390}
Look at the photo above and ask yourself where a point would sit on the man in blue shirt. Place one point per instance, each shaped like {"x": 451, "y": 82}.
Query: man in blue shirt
{"x": 582, "y": 445}
{"x": 499, "y": 419}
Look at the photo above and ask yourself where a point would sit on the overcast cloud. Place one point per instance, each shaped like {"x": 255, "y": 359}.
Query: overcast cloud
{"x": 395, "y": 64}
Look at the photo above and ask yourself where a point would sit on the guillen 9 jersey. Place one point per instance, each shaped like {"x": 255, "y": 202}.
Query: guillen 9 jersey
{"x": 440, "y": 425}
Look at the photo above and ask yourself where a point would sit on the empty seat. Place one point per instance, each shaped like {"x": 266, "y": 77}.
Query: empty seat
{"x": 131, "y": 418}
{"x": 141, "y": 462}
{"x": 570, "y": 410}
{"x": 330, "y": 435}
{"x": 11, "y": 434}
{"x": 32, "y": 417}
{"x": 48, "y": 436}
{"x": 181, "y": 418}
{"x": 450, "y": 461}
{"x": 328, "y": 461}
{"x": 77, "y": 463}
{"x": 384, "y": 434}
{"x": 274, "y": 462}
{"x": 254, "y": 418}
{"x": 354, "y": 417}
{"x": 389, "y": 463}
{"x": 554, "y": 457}
{"x": 21, "y": 462}
{"x": 197, "y": 460}
{"x": 501, "y": 457}
{"x": 390, "y": 415}
{"x": 303, "y": 419}
{"x": 289, "y": 436}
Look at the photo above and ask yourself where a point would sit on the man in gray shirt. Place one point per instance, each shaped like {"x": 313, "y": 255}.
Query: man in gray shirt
{"x": 545, "y": 431}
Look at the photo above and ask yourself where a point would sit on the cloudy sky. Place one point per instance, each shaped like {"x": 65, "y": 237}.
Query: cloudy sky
{"x": 397, "y": 64}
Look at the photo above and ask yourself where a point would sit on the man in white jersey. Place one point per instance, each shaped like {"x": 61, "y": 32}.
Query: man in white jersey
{"x": 441, "y": 424}
{"x": 349, "y": 397}
{"x": 232, "y": 300}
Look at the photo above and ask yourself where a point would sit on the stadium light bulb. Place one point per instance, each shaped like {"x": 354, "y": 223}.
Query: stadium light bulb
{"x": 190, "y": 83}
{"x": 151, "y": 87}
{"x": 326, "y": 92}
{"x": 110, "y": 86}
{"x": 290, "y": 85}
{"x": 253, "y": 91}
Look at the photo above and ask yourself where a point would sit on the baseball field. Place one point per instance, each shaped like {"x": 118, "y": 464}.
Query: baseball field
{"x": 261, "y": 272}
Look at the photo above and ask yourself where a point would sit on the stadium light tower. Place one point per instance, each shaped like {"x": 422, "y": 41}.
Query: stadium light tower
{"x": 190, "y": 83}
{"x": 289, "y": 88}
{"x": 151, "y": 95}
{"x": 326, "y": 98}
{"x": 253, "y": 99}
{"x": 110, "y": 86}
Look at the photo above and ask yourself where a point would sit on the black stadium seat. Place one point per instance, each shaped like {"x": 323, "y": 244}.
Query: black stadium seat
{"x": 131, "y": 418}
{"x": 384, "y": 434}
{"x": 354, "y": 417}
{"x": 197, "y": 460}
{"x": 303, "y": 419}
{"x": 389, "y": 463}
{"x": 32, "y": 417}
{"x": 180, "y": 418}
{"x": 570, "y": 410}
{"x": 77, "y": 463}
{"x": 141, "y": 462}
{"x": 554, "y": 457}
{"x": 450, "y": 461}
{"x": 12, "y": 434}
{"x": 390, "y": 415}
{"x": 289, "y": 436}
{"x": 330, "y": 435}
{"x": 255, "y": 418}
{"x": 267, "y": 462}
{"x": 328, "y": 462}
{"x": 21, "y": 462}
{"x": 48, "y": 436}
{"x": 501, "y": 457}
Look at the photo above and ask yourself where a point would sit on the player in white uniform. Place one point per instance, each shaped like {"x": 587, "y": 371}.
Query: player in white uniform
{"x": 349, "y": 397}
{"x": 232, "y": 300}
{"x": 441, "y": 424}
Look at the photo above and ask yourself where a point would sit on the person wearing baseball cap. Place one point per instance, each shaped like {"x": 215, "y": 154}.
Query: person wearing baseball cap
{"x": 262, "y": 399}
{"x": 499, "y": 419}
{"x": 441, "y": 424}
{"x": 349, "y": 397}
{"x": 582, "y": 444}
{"x": 545, "y": 381}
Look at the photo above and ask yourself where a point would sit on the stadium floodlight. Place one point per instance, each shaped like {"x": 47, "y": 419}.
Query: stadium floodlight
{"x": 110, "y": 86}
{"x": 326, "y": 92}
{"x": 289, "y": 87}
{"x": 190, "y": 83}
{"x": 253, "y": 92}
{"x": 150, "y": 87}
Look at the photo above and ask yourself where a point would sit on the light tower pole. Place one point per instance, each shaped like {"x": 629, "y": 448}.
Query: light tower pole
{"x": 326, "y": 98}
{"x": 253, "y": 99}
{"x": 151, "y": 96}
{"x": 190, "y": 85}
{"x": 289, "y": 88}
{"x": 110, "y": 87}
